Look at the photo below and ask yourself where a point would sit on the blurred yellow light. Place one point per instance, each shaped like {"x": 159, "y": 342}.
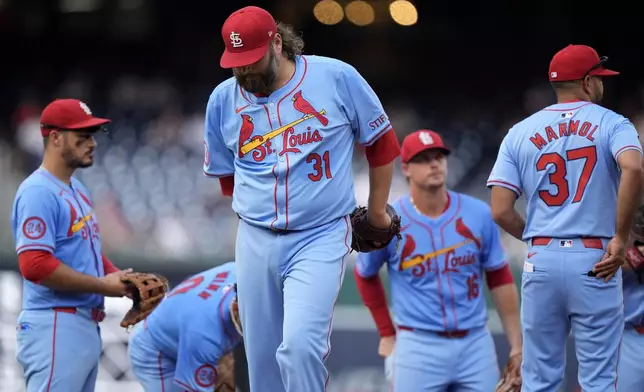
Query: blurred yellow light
{"x": 328, "y": 12}
{"x": 403, "y": 12}
{"x": 359, "y": 12}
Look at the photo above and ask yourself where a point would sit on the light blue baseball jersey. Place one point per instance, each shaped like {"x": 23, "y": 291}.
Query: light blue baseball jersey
{"x": 193, "y": 326}
{"x": 436, "y": 270}
{"x": 633, "y": 300}
{"x": 564, "y": 159}
{"x": 291, "y": 152}
{"x": 55, "y": 217}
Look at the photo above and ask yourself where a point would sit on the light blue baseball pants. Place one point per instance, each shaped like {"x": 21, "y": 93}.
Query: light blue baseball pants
{"x": 58, "y": 351}
{"x": 288, "y": 284}
{"x": 426, "y": 362}
{"x": 153, "y": 370}
{"x": 631, "y": 365}
{"x": 557, "y": 296}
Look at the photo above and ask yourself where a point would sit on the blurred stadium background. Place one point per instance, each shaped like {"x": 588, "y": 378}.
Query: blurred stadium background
{"x": 466, "y": 70}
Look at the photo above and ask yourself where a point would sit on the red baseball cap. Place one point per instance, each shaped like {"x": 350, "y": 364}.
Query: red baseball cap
{"x": 68, "y": 114}
{"x": 574, "y": 62}
{"x": 420, "y": 141}
{"x": 247, "y": 34}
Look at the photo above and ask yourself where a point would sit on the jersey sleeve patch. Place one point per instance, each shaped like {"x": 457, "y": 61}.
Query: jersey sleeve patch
{"x": 218, "y": 159}
{"x": 205, "y": 376}
{"x": 206, "y": 154}
{"x": 34, "y": 228}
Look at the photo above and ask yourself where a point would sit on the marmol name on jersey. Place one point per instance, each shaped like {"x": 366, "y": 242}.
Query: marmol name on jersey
{"x": 568, "y": 128}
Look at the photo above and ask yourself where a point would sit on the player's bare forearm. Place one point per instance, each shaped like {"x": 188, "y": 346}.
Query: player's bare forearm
{"x": 513, "y": 223}
{"x": 379, "y": 185}
{"x": 629, "y": 193}
{"x": 65, "y": 278}
{"x": 506, "y": 301}
{"x": 505, "y": 215}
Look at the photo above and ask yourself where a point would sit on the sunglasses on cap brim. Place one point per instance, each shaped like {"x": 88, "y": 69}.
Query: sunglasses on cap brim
{"x": 602, "y": 61}
{"x": 95, "y": 129}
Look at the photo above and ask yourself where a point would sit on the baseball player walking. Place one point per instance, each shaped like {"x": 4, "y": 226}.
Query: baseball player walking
{"x": 58, "y": 243}
{"x": 450, "y": 245}
{"x": 579, "y": 165}
{"x": 630, "y": 374}
{"x": 178, "y": 347}
{"x": 279, "y": 135}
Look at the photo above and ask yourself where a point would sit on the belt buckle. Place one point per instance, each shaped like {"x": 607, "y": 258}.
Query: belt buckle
{"x": 453, "y": 334}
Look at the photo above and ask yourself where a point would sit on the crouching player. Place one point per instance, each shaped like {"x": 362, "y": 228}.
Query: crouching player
{"x": 187, "y": 341}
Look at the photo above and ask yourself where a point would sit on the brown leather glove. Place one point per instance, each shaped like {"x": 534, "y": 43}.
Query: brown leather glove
{"x": 146, "y": 290}
{"x": 511, "y": 376}
{"x": 367, "y": 238}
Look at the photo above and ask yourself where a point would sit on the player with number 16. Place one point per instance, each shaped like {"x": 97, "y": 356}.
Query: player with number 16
{"x": 450, "y": 245}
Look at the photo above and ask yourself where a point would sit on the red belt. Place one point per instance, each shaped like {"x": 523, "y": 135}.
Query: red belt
{"x": 446, "y": 334}
{"x": 588, "y": 242}
{"x": 639, "y": 329}
{"x": 97, "y": 314}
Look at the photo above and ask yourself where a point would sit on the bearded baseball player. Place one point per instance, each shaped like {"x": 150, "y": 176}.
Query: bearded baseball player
{"x": 630, "y": 374}
{"x": 450, "y": 245}
{"x": 186, "y": 343}
{"x": 579, "y": 165}
{"x": 65, "y": 274}
{"x": 280, "y": 137}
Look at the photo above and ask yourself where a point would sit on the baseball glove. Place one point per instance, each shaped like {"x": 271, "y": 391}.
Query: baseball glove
{"x": 146, "y": 290}
{"x": 511, "y": 377}
{"x": 635, "y": 260}
{"x": 367, "y": 238}
{"x": 226, "y": 374}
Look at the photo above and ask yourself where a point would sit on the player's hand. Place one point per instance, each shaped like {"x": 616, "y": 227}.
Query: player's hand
{"x": 379, "y": 219}
{"x": 612, "y": 260}
{"x": 112, "y": 284}
{"x": 386, "y": 346}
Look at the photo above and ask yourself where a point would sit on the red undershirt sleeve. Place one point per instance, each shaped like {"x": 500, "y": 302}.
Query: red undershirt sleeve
{"x": 227, "y": 185}
{"x": 108, "y": 267}
{"x": 499, "y": 277}
{"x": 384, "y": 150}
{"x": 373, "y": 295}
{"x": 37, "y": 265}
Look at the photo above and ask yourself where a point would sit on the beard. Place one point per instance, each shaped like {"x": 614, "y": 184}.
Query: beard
{"x": 259, "y": 82}
{"x": 74, "y": 162}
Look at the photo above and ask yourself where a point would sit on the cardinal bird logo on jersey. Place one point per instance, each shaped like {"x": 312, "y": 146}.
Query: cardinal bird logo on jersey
{"x": 245, "y": 132}
{"x": 466, "y": 232}
{"x": 303, "y": 106}
{"x": 408, "y": 249}
{"x": 73, "y": 219}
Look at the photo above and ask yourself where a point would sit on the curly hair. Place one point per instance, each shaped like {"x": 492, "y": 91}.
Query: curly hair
{"x": 292, "y": 42}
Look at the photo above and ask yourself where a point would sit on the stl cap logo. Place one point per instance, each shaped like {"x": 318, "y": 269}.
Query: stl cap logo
{"x": 426, "y": 138}
{"x": 553, "y": 75}
{"x": 235, "y": 40}
{"x": 85, "y": 108}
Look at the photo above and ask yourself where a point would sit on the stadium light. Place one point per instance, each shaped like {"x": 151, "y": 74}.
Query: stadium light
{"x": 328, "y": 12}
{"x": 359, "y": 12}
{"x": 403, "y": 12}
